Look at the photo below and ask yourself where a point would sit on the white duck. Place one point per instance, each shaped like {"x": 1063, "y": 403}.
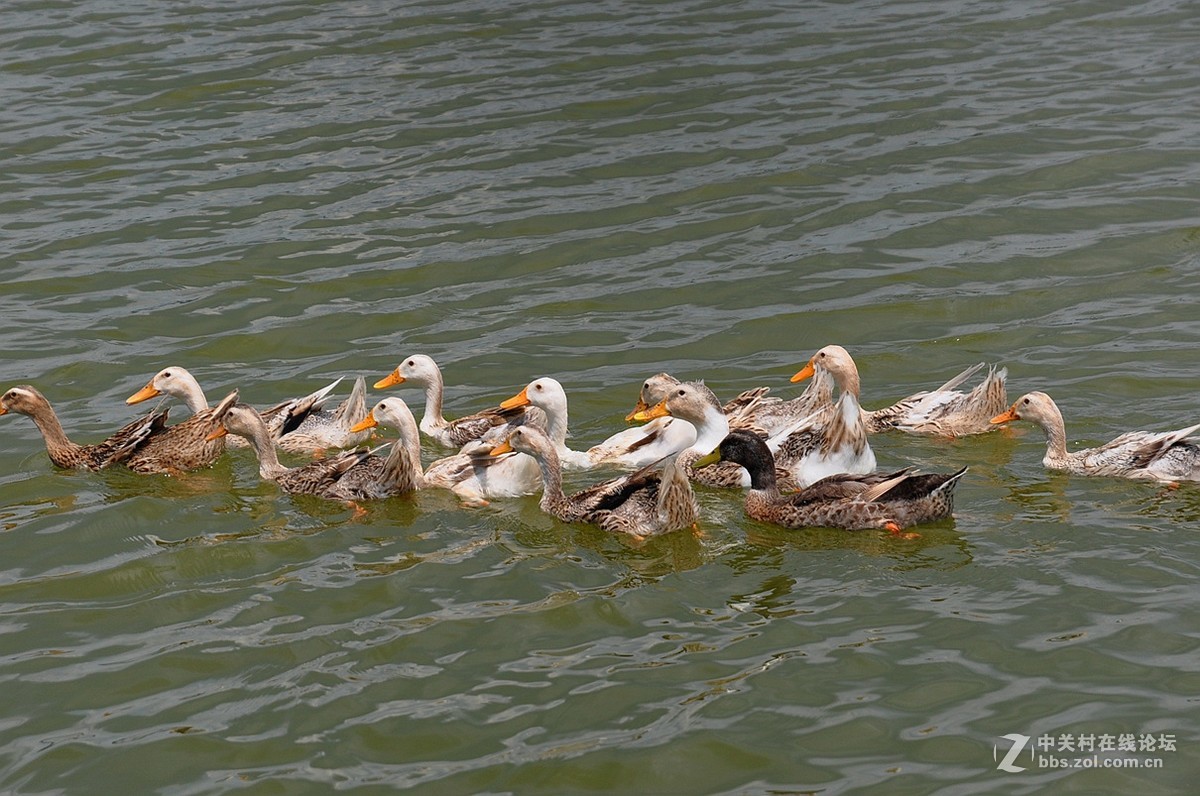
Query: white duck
{"x": 641, "y": 445}
{"x": 299, "y": 425}
{"x": 548, "y": 395}
{"x": 1162, "y": 456}
{"x": 422, "y": 370}
{"x": 665, "y": 435}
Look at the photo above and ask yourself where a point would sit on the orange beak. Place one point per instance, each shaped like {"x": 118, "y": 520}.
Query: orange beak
{"x": 3, "y": 410}
{"x": 390, "y": 380}
{"x": 658, "y": 410}
{"x": 216, "y": 433}
{"x": 804, "y": 373}
{"x": 502, "y": 448}
{"x": 639, "y": 407}
{"x": 520, "y": 399}
{"x": 144, "y": 394}
{"x": 1006, "y": 417}
{"x": 367, "y": 422}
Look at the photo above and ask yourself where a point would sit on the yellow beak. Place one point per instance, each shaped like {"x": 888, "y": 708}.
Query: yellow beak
{"x": 1005, "y": 417}
{"x": 144, "y": 394}
{"x": 658, "y": 410}
{"x": 640, "y": 406}
{"x": 367, "y": 422}
{"x": 520, "y": 399}
{"x": 804, "y": 373}
{"x": 390, "y": 380}
{"x": 216, "y": 433}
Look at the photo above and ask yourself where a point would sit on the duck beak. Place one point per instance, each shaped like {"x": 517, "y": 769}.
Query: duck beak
{"x": 390, "y": 380}
{"x": 658, "y": 410}
{"x": 1006, "y": 417}
{"x": 711, "y": 458}
{"x": 502, "y": 448}
{"x": 144, "y": 394}
{"x": 804, "y": 373}
{"x": 3, "y": 410}
{"x": 216, "y": 433}
{"x": 367, "y": 422}
{"x": 640, "y": 406}
{"x": 520, "y": 399}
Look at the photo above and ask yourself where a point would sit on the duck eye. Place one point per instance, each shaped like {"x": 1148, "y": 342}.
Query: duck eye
{"x": 1026, "y": 402}
{"x": 410, "y": 363}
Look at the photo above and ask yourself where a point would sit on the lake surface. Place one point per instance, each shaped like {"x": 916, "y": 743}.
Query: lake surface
{"x": 274, "y": 194}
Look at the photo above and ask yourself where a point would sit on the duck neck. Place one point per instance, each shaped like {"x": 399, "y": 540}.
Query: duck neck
{"x": 268, "y": 458}
{"x": 712, "y": 428}
{"x": 553, "y": 499}
{"x": 57, "y": 443}
{"x": 556, "y": 427}
{"x": 846, "y": 378}
{"x": 403, "y": 465}
{"x": 1056, "y": 441}
{"x": 435, "y": 391}
{"x": 193, "y": 396}
{"x": 846, "y": 425}
{"x": 818, "y": 394}
{"x": 399, "y": 472}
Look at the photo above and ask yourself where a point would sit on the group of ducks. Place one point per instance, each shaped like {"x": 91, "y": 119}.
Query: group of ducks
{"x": 805, "y": 462}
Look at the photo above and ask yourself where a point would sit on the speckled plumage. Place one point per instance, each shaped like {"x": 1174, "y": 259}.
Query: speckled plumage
{"x": 116, "y": 449}
{"x": 652, "y": 500}
{"x": 297, "y": 425}
{"x": 850, "y": 501}
{"x": 183, "y": 446}
{"x": 946, "y": 411}
{"x": 307, "y": 427}
{"x": 320, "y": 478}
{"x": 1162, "y": 456}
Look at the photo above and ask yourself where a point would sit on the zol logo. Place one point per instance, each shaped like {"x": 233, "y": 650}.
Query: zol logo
{"x": 1018, "y": 743}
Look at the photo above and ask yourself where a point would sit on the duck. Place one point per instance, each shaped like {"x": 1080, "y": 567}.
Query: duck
{"x": 319, "y": 429}
{"x": 183, "y": 446}
{"x": 297, "y": 425}
{"x": 333, "y": 477}
{"x": 774, "y": 417}
{"x": 945, "y": 411}
{"x": 650, "y": 442}
{"x": 665, "y": 434}
{"x": 547, "y": 394}
{"x": 401, "y": 471}
{"x": 652, "y": 500}
{"x": 422, "y": 370}
{"x": 1161, "y": 456}
{"x": 696, "y": 403}
{"x": 852, "y": 501}
{"x": 116, "y": 449}
{"x": 834, "y": 439}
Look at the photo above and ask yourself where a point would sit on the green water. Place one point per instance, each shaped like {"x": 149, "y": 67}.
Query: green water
{"x": 273, "y": 194}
